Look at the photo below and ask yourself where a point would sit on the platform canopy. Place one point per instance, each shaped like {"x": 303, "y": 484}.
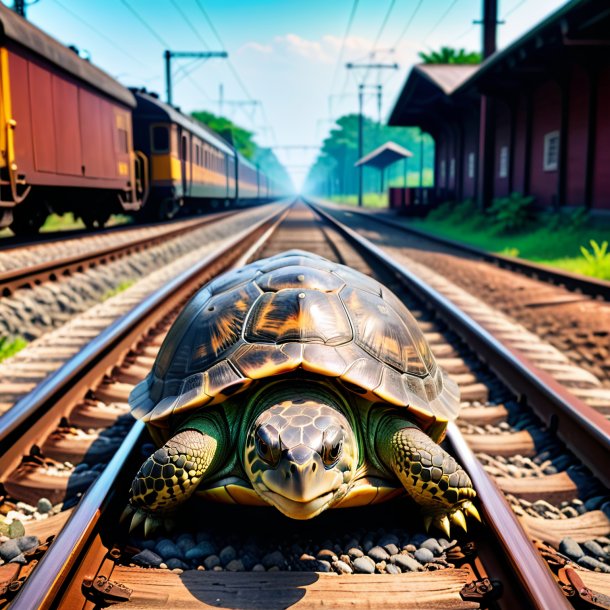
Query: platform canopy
{"x": 384, "y": 156}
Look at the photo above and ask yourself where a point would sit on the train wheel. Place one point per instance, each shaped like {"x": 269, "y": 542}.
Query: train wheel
{"x": 29, "y": 218}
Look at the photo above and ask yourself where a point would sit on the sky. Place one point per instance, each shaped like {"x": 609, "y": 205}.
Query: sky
{"x": 287, "y": 56}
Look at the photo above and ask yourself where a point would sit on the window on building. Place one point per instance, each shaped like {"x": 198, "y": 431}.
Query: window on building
{"x": 551, "y": 151}
{"x": 160, "y": 139}
{"x": 452, "y": 169}
{"x": 443, "y": 176}
{"x": 503, "y": 169}
{"x": 471, "y": 161}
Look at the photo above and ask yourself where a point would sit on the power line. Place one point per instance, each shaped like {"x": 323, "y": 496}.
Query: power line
{"x": 207, "y": 18}
{"x": 350, "y": 21}
{"x": 379, "y": 33}
{"x": 512, "y": 10}
{"x": 442, "y": 18}
{"x": 145, "y": 24}
{"x": 408, "y": 24}
{"x": 190, "y": 24}
{"x": 100, "y": 34}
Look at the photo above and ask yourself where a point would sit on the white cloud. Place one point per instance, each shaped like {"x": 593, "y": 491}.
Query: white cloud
{"x": 256, "y": 46}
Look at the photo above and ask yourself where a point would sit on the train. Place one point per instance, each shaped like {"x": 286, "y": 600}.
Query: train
{"x": 73, "y": 139}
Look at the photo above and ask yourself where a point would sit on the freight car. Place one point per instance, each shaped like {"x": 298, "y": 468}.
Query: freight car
{"x": 65, "y": 133}
{"x": 191, "y": 166}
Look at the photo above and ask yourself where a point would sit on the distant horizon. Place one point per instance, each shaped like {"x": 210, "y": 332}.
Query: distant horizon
{"x": 286, "y": 55}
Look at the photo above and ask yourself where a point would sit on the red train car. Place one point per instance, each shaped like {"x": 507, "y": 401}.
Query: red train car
{"x": 66, "y": 141}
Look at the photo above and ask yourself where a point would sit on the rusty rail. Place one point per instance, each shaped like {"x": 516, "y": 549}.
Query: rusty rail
{"x": 572, "y": 281}
{"x": 74, "y": 541}
{"x": 14, "y": 279}
{"x": 536, "y": 579}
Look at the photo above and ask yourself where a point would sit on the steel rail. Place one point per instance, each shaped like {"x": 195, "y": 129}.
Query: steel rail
{"x": 59, "y": 562}
{"x": 13, "y": 279}
{"x": 591, "y": 286}
{"x": 582, "y": 428}
{"x": 531, "y": 570}
{"x": 31, "y": 417}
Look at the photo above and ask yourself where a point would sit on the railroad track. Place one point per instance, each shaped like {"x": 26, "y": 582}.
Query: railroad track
{"x": 574, "y": 327}
{"x": 91, "y": 555}
{"x": 33, "y": 264}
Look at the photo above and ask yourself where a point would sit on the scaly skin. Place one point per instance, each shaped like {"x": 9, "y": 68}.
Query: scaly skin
{"x": 171, "y": 474}
{"x": 428, "y": 473}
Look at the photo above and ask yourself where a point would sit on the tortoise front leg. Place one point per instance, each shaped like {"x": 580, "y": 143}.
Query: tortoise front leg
{"x": 429, "y": 474}
{"x": 171, "y": 474}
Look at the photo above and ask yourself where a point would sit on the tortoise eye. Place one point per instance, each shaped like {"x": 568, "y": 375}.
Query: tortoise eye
{"x": 332, "y": 446}
{"x": 267, "y": 441}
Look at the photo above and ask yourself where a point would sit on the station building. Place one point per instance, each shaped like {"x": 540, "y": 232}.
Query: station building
{"x": 533, "y": 118}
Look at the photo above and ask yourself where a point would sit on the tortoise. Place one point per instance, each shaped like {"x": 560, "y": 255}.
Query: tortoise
{"x": 302, "y": 384}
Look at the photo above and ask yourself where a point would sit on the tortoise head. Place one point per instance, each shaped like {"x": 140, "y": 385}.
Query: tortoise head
{"x": 301, "y": 453}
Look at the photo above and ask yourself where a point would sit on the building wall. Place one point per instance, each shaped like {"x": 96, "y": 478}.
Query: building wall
{"x": 501, "y": 149}
{"x": 546, "y": 108}
{"x": 601, "y": 181}
{"x": 470, "y": 147}
{"x": 520, "y": 143}
{"x": 578, "y": 116}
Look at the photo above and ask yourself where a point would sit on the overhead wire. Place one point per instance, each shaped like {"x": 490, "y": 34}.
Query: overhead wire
{"x": 190, "y": 25}
{"x": 440, "y": 20}
{"x": 100, "y": 34}
{"x": 350, "y": 21}
{"x": 408, "y": 24}
{"x": 513, "y": 9}
{"x": 379, "y": 34}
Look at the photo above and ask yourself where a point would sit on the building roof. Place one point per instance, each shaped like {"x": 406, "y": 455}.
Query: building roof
{"x": 385, "y": 155}
{"x": 21, "y": 32}
{"x": 447, "y": 77}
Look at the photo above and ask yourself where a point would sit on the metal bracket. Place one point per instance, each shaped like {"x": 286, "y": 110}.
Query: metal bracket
{"x": 484, "y": 591}
{"x": 104, "y": 592}
{"x": 580, "y": 595}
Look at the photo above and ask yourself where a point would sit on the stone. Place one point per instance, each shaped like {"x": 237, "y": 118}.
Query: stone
{"x": 176, "y": 564}
{"x": 593, "y": 564}
{"x": 392, "y": 549}
{"x": 364, "y": 565}
{"x": 207, "y": 548}
{"x": 195, "y": 553}
{"x": 168, "y": 550}
{"x": 434, "y": 545}
{"x": 341, "y": 567}
{"x": 16, "y": 530}
{"x": 273, "y": 559}
{"x": 249, "y": 560}
{"x": 44, "y": 506}
{"x": 326, "y": 554}
{"x": 406, "y": 563}
{"x": 323, "y": 566}
{"x": 227, "y": 554}
{"x": 380, "y": 567}
{"x": 571, "y": 548}
{"x": 388, "y": 539}
{"x": 410, "y": 548}
{"x": 378, "y": 553}
{"x": 423, "y": 555}
{"x": 593, "y": 549}
{"x": 354, "y": 553}
{"x": 148, "y": 559}
{"x": 235, "y": 565}
{"x": 26, "y": 543}
{"x": 392, "y": 569}
{"x": 9, "y": 549}
{"x": 19, "y": 559}
{"x": 259, "y": 567}
{"x": 211, "y": 562}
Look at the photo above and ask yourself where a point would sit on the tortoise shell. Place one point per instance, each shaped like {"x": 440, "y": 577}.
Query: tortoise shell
{"x": 295, "y": 310}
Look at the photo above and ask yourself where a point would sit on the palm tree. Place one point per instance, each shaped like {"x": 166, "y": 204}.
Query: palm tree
{"x": 447, "y": 55}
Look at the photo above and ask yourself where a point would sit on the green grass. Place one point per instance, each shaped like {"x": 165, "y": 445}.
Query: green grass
{"x": 9, "y": 347}
{"x": 369, "y": 200}
{"x": 558, "y": 245}
{"x": 124, "y": 285}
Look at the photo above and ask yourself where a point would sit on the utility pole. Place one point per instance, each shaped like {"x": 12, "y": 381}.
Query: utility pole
{"x": 487, "y": 110}
{"x": 169, "y": 55}
{"x": 361, "y": 87}
{"x": 19, "y": 6}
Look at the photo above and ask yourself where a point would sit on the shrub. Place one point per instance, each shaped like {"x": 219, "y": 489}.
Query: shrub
{"x": 598, "y": 259}
{"x": 510, "y": 214}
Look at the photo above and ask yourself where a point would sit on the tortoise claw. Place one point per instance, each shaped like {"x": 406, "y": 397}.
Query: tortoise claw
{"x": 138, "y": 517}
{"x": 444, "y": 525}
{"x": 458, "y": 518}
{"x": 127, "y": 512}
{"x": 428, "y": 522}
{"x": 471, "y": 510}
{"x": 151, "y": 525}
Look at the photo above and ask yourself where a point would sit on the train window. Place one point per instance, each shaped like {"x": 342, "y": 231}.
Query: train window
{"x": 160, "y": 139}
{"x": 184, "y": 149}
{"x": 123, "y": 140}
